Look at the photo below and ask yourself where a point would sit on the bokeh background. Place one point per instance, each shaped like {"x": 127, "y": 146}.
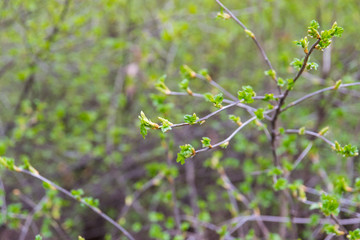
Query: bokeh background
{"x": 74, "y": 76}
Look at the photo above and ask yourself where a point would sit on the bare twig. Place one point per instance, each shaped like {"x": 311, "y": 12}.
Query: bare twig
{"x": 228, "y": 138}
{"x": 316, "y": 93}
{"x": 68, "y": 194}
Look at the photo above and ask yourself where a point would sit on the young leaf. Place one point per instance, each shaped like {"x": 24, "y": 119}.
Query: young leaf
{"x": 259, "y": 113}
{"x": 146, "y": 124}
{"x": 235, "y": 119}
{"x": 296, "y": 63}
{"x": 271, "y": 73}
{"x": 246, "y": 94}
{"x": 206, "y": 142}
{"x": 186, "y": 151}
{"x": 191, "y": 119}
{"x": 329, "y": 205}
{"x": 216, "y": 100}
{"x": 160, "y": 85}
{"x": 166, "y": 124}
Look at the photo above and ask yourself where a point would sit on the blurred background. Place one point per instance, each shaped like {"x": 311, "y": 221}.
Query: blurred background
{"x": 74, "y": 76}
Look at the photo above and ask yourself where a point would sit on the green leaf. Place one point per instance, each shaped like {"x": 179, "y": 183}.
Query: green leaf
{"x": 333, "y": 229}
{"x": 297, "y": 63}
{"x": 187, "y": 72}
{"x": 346, "y": 151}
{"x": 280, "y": 184}
{"x": 269, "y": 97}
{"x": 312, "y": 65}
{"x": 329, "y": 205}
{"x": 259, "y": 113}
{"x": 281, "y": 82}
{"x": 166, "y": 124}
{"x": 77, "y": 193}
{"x": 206, "y": 142}
{"x": 191, "y": 119}
{"x": 38, "y": 237}
{"x": 184, "y": 84}
{"x": 160, "y": 85}
{"x": 354, "y": 235}
{"x": 246, "y": 94}
{"x": 146, "y": 124}
{"x": 312, "y": 29}
{"x": 216, "y": 100}
{"x": 235, "y": 119}
{"x": 290, "y": 83}
{"x": 271, "y": 73}
{"x": 222, "y": 15}
{"x": 186, "y": 151}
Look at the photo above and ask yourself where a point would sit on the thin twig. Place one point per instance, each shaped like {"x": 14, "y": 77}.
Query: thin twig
{"x": 262, "y": 51}
{"x": 306, "y": 132}
{"x": 316, "y": 93}
{"x": 68, "y": 194}
{"x": 228, "y": 138}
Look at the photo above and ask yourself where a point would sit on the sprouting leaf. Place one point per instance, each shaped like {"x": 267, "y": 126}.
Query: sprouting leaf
{"x": 302, "y": 131}
{"x": 269, "y": 97}
{"x": 187, "y": 72}
{"x": 354, "y": 235}
{"x": 259, "y": 113}
{"x": 280, "y": 184}
{"x": 191, "y": 119}
{"x": 216, "y": 100}
{"x": 333, "y": 229}
{"x": 346, "y": 151}
{"x": 297, "y": 63}
{"x": 160, "y": 85}
{"x": 186, "y": 151}
{"x": 312, "y": 65}
{"x": 206, "y": 142}
{"x": 246, "y": 94}
{"x": 290, "y": 83}
{"x": 312, "y": 29}
{"x": 205, "y": 73}
{"x": 249, "y": 33}
{"x": 166, "y": 124}
{"x": 184, "y": 84}
{"x": 324, "y": 130}
{"x": 329, "y": 205}
{"x": 223, "y": 15}
{"x": 337, "y": 84}
{"x": 146, "y": 124}
{"x": 77, "y": 193}
{"x": 38, "y": 237}
{"x": 281, "y": 82}
{"x": 271, "y": 73}
{"x": 235, "y": 119}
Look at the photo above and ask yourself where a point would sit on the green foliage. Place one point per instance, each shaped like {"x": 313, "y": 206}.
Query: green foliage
{"x": 333, "y": 229}
{"x": 354, "y": 235}
{"x": 206, "y": 142}
{"x": 38, "y": 237}
{"x": 186, "y": 151}
{"x": 297, "y": 63}
{"x": 165, "y": 124}
{"x": 259, "y": 113}
{"x": 271, "y": 73}
{"x": 235, "y": 119}
{"x": 329, "y": 205}
{"x": 146, "y": 124}
{"x": 160, "y": 85}
{"x": 346, "y": 151}
{"x": 191, "y": 119}
{"x": 280, "y": 184}
{"x": 246, "y": 94}
{"x": 216, "y": 100}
